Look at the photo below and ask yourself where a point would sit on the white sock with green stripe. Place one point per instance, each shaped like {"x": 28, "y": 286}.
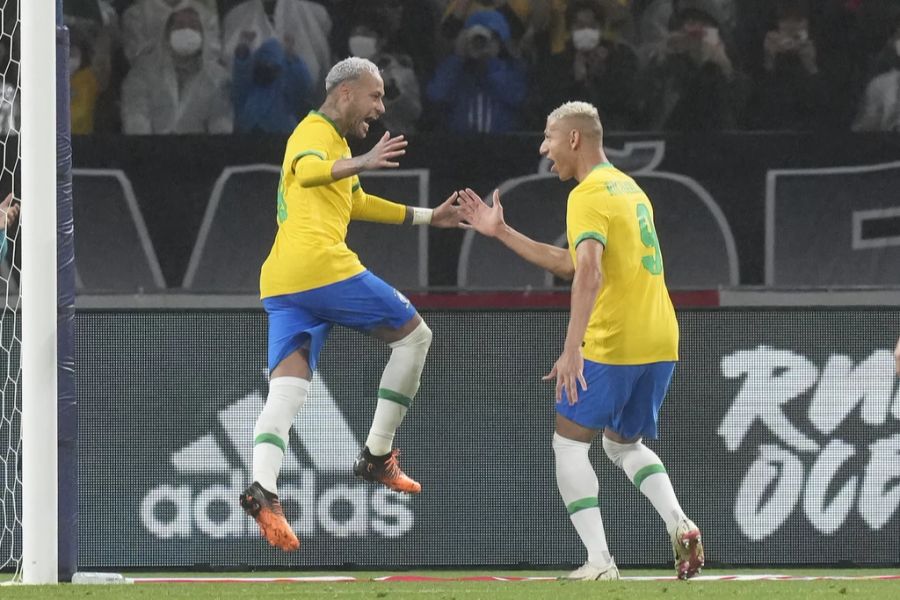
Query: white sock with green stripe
{"x": 579, "y": 487}
{"x": 399, "y": 383}
{"x": 648, "y": 475}
{"x": 270, "y": 436}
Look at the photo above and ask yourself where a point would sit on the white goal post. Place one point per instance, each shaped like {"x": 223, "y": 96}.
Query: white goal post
{"x": 39, "y": 293}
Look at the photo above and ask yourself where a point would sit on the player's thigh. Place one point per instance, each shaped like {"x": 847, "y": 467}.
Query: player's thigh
{"x": 369, "y": 304}
{"x": 608, "y": 389}
{"x": 296, "y": 336}
{"x": 639, "y": 417}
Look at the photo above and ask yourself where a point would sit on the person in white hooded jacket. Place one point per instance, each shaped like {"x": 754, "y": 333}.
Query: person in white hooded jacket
{"x": 143, "y": 23}
{"x": 880, "y": 106}
{"x": 302, "y": 25}
{"x": 178, "y": 88}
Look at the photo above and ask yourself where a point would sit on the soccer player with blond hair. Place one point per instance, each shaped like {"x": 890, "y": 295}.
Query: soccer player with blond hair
{"x": 311, "y": 281}
{"x": 622, "y": 339}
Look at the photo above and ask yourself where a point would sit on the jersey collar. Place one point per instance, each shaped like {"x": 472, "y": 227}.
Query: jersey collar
{"x": 327, "y": 118}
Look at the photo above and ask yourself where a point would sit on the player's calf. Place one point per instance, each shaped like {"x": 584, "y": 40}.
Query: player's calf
{"x": 266, "y": 510}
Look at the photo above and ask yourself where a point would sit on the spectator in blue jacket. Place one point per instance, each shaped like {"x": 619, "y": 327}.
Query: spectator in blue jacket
{"x": 480, "y": 88}
{"x": 271, "y": 88}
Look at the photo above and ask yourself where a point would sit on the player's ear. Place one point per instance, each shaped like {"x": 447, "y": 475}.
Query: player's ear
{"x": 574, "y": 139}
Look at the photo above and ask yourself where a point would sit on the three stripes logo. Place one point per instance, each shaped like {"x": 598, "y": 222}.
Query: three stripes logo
{"x": 213, "y": 469}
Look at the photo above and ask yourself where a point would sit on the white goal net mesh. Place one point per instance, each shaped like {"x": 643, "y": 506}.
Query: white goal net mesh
{"x": 10, "y": 331}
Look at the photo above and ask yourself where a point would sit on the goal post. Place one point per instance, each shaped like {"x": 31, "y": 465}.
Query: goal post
{"x": 39, "y": 293}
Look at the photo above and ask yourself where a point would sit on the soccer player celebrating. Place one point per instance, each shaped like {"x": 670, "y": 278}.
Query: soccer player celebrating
{"x": 311, "y": 280}
{"x": 622, "y": 339}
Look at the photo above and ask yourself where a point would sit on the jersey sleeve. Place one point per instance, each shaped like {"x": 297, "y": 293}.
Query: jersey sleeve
{"x": 307, "y": 156}
{"x": 367, "y": 207}
{"x": 587, "y": 217}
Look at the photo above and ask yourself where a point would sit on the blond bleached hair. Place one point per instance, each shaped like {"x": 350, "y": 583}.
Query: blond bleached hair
{"x": 349, "y": 69}
{"x": 582, "y": 113}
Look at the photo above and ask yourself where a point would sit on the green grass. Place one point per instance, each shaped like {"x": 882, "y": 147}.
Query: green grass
{"x": 464, "y": 590}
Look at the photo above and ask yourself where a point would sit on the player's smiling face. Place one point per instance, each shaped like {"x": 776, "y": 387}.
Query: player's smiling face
{"x": 366, "y": 103}
{"x": 557, "y": 149}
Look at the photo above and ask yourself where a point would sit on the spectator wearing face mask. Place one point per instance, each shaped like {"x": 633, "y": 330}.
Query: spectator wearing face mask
{"x": 879, "y": 109}
{"x": 178, "y": 88}
{"x": 690, "y": 82}
{"x": 143, "y": 23}
{"x": 301, "y": 24}
{"x": 271, "y": 88}
{"x": 480, "y": 88}
{"x": 593, "y": 69}
{"x": 402, "y": 97}
{"x": 89, "y": 70}
{"x": 790, "y": 92}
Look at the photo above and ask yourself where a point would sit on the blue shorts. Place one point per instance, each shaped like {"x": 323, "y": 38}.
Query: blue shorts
{"x": 623, "y": 398}
{"x": 362, "y": 302}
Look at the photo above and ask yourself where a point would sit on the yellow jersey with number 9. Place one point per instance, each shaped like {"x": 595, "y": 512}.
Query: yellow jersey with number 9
{"x": 633, "y": 321}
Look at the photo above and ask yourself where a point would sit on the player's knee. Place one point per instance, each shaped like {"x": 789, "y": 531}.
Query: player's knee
{"x": 418, "y": 341}
{"x": 617, "y": 452}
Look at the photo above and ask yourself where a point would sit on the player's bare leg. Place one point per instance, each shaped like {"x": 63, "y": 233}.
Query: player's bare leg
{"x": 399, "y": 383}
{"x": 288, "y": 387}
{"x": 579, "y": 488}
{"x": 646, "y": 471}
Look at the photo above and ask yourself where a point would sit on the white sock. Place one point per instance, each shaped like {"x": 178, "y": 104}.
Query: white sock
{"x": 647, "y": 473}
{"x": 270, "y": 436}
{"x": 578, "y": 486}
{"x": 399, "y": 384}
{"x": 388, "y": 416}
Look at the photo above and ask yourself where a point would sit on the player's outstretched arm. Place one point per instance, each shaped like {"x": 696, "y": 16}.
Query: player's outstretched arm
{"x": 489, "y": 221}
{"x": 383, "y": 155}
{"x": 448, "y": 215}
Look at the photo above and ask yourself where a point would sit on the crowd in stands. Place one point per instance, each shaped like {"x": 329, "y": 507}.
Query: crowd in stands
{"x": 487, "y": 66}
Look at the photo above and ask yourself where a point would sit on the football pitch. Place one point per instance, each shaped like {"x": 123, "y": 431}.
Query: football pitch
{"x": 792, "y": 584}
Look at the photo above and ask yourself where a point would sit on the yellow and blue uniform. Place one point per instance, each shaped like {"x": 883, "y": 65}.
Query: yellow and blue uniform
{"x": 631, "y": 342}
{"x": 311, "y": 279}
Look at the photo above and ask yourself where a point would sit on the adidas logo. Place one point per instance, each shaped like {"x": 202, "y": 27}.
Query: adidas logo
{"x": 320, "y": 434}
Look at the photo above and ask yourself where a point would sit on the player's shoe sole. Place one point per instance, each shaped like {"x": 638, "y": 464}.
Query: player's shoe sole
{"x": 687, "y": 544}
{"x": 266, "y": 510}
{"x": 386, "y": 471}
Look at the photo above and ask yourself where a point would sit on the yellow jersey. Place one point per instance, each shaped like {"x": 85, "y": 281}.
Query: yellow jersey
{"x": 633, "y": 321}
{"x": 314, "y": 210}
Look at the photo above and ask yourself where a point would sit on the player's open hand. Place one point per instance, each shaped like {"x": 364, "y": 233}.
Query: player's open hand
{"x": 486, "y": 220}
{"x": 384, "y": 154}
{"x": 449, "y": 213}
{"x": 569, "y": 372}
{"x": 9, "y": 212}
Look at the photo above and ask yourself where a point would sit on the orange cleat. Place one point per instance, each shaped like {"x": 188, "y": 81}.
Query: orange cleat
{"x": 266, "y": 510}
{"x": 385, "y": 470}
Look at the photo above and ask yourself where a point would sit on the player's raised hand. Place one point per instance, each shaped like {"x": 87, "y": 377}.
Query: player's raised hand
{"x": 486, "y": 220}
{"x": 568, "y": 372}
{"x": 449, "y": 213}
{"x": 383, "y": 155}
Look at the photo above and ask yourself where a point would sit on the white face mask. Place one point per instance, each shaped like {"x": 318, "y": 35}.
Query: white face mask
{"x": 585, "y": 39}
{"x": 185, "y": 42}
{"x": 74, "y": 63}
{"x": 362, "y": 46}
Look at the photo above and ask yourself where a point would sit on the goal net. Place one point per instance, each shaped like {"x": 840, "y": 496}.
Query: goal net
{"x": 10, "y": 325}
